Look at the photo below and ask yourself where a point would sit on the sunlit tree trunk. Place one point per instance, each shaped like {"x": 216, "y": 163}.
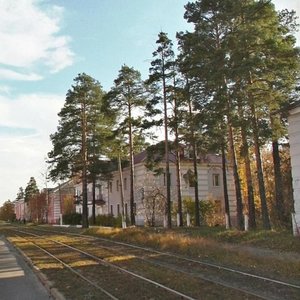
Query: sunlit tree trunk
{"x": 237, "y": 182}
{"x": 249, "y": 181}
{"x": 260, "y": 176}
{"x": 239, "y": 202}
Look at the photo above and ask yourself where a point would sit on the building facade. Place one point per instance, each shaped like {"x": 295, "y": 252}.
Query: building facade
{"x": 102, "y": 198}
{"x": 294, "y": 137}
{"x": 150, "y": 189}
{"x": 60, "y": 200}
{"x": 20, "y": 209}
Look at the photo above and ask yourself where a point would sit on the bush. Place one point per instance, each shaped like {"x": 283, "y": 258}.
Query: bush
{"x": 209, "y": 211}
{"x": 108, "y": 220}
{"x": 72, "y": 219}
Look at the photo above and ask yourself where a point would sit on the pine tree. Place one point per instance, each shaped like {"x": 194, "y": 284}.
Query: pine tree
{"x": 31, "y": 190}
{"x": 162, "y": 70}
{"x": 204, "y": 61}
{"x": 127, "y": 97}
{"x": 77, "y": 140}
{"x": 30, "y": 195}
{"x": 241, "y": 62}
{"x": 265, "y": 63}
{"x": 20, "y": 194}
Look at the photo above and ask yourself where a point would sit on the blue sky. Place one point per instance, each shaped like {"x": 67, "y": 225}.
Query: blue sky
{"x": 103, "y": 34}
{"x": 46, "y": 43}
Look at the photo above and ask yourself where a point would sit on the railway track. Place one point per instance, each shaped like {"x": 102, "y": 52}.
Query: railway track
{"x": 153, "y": 274}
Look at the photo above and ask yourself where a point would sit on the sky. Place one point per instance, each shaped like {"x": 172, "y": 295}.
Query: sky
{"x": 45, "y": 44}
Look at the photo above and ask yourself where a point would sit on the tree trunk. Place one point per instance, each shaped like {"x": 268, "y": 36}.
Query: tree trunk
{"x": 132, "y": 216}
{"x": 194, "y": 157}
{"x": 108, "y": 203}
{"x": 168, "y": 177}
{"x": 237, "y": 182}
{"x": 249, "y": 181}
{"x": 260, "y": 176}
{"x": 226, "y": 198}
{"x": 85, "y": 220}
{"x": 239, "y": 201}
{"x": 178, "y": 175}
{"x": 94, "y": 200}
{"x": 278, "y": 183}
{"x": 177, "y": 151}
{"x": 122, "y": 192}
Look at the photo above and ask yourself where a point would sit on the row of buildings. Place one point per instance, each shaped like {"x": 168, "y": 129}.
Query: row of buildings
{"x": 147, "y": 187}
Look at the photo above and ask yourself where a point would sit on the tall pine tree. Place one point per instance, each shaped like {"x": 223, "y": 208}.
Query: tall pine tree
{"x": 81, "y": 124}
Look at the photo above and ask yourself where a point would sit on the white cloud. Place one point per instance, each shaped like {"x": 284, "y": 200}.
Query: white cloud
{"x": 23, "y": 155}
{"x": 5, "y": 89}
{"x": 13, "y": 75}
{"x": 60, "y": 57}
{"x": 36, "y": 111}
{"x": 29, "y": 35}
{"x": 31, "y": 42}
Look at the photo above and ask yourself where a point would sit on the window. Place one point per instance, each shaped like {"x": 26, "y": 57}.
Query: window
{"x": 126, "y": 210}
{"x": 117, "y": 185}
{"x": 110, "y": 186}
{"x": 118, "y": 209}
{"x": 111, "y": 210}
{"x": 216, "y": 179}
{"x": 125, "y": 184}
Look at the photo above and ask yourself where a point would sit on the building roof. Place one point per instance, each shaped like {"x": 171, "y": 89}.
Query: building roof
{"x": 140, "y": 157}
{"x": 206, "y": 158}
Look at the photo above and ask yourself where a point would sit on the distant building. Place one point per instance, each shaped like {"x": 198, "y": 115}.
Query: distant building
{"x": 294, "y": 138}
{"x": 60, "y": 201}
{"x": 20, "y": 209}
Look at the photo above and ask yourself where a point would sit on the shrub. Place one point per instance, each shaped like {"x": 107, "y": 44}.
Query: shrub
{"x": 72, "y": 219}
{"x": 209, "y": 211}
{"x": 108, "y": 220}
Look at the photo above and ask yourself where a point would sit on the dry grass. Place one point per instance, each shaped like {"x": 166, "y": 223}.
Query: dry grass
{"x": 275, "y": 253}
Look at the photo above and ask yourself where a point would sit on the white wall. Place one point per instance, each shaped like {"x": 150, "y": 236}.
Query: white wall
{"x": 294, "y": 136}
{"x": 145, "y": 179}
